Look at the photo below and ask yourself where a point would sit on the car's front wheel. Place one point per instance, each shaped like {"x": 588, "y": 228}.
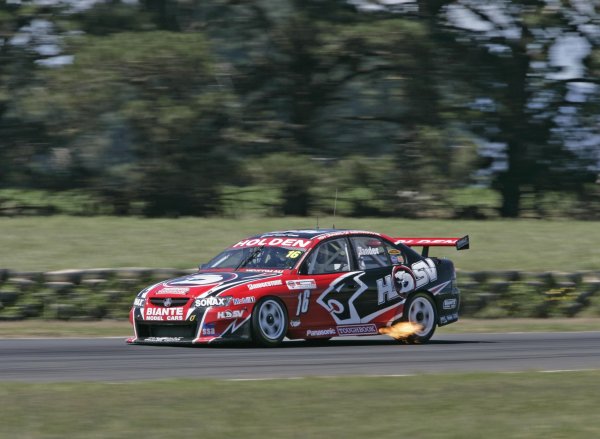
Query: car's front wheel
{"x": 420, "y": 311}
{"x": 269, "y": 322}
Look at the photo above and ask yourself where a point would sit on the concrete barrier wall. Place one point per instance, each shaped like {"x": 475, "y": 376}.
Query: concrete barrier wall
{"x": 108, "y": 293}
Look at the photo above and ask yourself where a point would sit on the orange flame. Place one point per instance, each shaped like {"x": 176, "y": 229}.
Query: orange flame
{"x": 400, "y": 331}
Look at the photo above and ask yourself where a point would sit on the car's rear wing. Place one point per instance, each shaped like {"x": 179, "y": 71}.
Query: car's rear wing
{"x": 459, "y": 243}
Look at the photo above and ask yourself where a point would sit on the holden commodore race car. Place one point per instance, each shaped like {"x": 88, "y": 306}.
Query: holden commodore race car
{"x": 304, "y": 284}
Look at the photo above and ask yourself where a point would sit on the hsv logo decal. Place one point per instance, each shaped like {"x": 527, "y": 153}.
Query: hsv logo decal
{"x": 404, "y": 279}
{"x": 348, "y": 300}
{"x": 424, "y": 271}
{"x": 228, "y": 314}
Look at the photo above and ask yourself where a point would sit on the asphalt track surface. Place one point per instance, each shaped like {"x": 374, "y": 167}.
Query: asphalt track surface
{"x": 110, "y": 359}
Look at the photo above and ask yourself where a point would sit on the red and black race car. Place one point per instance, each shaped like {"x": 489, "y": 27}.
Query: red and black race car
{"x": 304, "y": 284}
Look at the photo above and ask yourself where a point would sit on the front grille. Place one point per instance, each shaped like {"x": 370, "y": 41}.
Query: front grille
{"x": 175, "y": 301}
{"x": 185, "y": 330}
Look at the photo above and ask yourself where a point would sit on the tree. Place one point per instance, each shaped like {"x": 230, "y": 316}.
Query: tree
{"x": 147, "y": 118}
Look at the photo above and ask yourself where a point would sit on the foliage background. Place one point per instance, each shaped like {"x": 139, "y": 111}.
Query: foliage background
{"x": 428, "y": 108}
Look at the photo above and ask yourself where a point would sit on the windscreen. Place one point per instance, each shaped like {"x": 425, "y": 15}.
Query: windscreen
{"x": 263, "y": 257}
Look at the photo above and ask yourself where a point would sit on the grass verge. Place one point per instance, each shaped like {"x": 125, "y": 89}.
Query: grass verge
{"x": 524, "y": 405}
{"x": 59, "y": 242}
{"x": 118, "y": 328}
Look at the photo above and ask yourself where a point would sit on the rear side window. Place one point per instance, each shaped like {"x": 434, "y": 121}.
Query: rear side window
{"x": 372, "y": 252}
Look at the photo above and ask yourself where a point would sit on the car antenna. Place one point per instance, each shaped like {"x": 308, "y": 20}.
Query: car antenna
{"x": 335, "y": 205}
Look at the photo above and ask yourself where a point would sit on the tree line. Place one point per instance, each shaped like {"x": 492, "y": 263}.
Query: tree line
{"x": 163, "y": 107}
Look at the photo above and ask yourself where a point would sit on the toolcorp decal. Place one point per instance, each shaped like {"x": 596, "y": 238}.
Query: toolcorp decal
{"x": 164, "y": 314}
{"x": 344, "y": 331}
{"x": 202, "y": 279}
{"x": 172, "y": 290}
{"x": 449, "y": 304}
{"x": 301, "y": 284}
{"x": 270, "y": 283}
{"x": 212, "y": 301}
{"x": 279, "y": 242}
{"x": 321, "y": 332}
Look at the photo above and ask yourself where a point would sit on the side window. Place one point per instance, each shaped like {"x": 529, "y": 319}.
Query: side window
{"x": 371, "y": 252}
{"x": 329, "y": 257}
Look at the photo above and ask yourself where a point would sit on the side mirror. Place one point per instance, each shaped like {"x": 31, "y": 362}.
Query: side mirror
{"x": 202, "y": 266}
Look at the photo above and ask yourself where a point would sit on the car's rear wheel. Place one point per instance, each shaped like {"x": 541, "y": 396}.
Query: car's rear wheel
{"x": 420, "y": 311}
{"x": 269, "y": 322}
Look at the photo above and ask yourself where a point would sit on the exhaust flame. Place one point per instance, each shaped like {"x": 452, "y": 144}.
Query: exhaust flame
{"x": 400, "y": 331}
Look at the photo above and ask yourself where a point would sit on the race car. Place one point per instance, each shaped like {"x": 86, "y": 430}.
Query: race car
{"x": 304, "y": 284}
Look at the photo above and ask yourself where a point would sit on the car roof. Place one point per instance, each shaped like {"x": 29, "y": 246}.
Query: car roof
{"x": 313, "y": 233}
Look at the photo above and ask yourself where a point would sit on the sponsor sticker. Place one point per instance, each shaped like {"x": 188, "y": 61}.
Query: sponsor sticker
{"x": 394, "y": 251}
{"x": 209, "y": 329}
{"x": 139, "y": 301}
{"x": 449, "y": 304}
{"x": 301, "y": 284}
{"x": 164, "y": 313}
{"x": 321, "y": 332}
{"x": 270, "y": 283}
{"x": 163, "y": 339}
{"x": 173, "y": 290}
{"x": 368, "y": 251}
{"x": 212, "y": 301}
{"x": 294, "y": 323}
{"x": 244, "y": 300}
{"x": 356, "y": 330}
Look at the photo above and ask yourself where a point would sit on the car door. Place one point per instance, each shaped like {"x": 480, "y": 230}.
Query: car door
{"x": 379, "y": 262}
{"x": 325, "y": 286}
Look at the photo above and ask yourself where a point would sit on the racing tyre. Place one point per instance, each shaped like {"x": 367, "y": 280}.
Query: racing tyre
{"x": 269, "y": 322}
{"x": 420, "y": 310}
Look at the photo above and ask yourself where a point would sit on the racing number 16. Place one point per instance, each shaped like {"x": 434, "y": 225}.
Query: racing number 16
{"x": 303, "y": 299}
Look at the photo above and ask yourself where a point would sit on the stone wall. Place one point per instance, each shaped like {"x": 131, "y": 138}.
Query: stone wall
{"x": 108, "y": 293}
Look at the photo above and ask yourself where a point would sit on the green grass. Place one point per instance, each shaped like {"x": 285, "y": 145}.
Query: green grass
{"x": 118, "y": 328}
{"x": 524, "y": 405}
{"x": 58, "y": 242}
